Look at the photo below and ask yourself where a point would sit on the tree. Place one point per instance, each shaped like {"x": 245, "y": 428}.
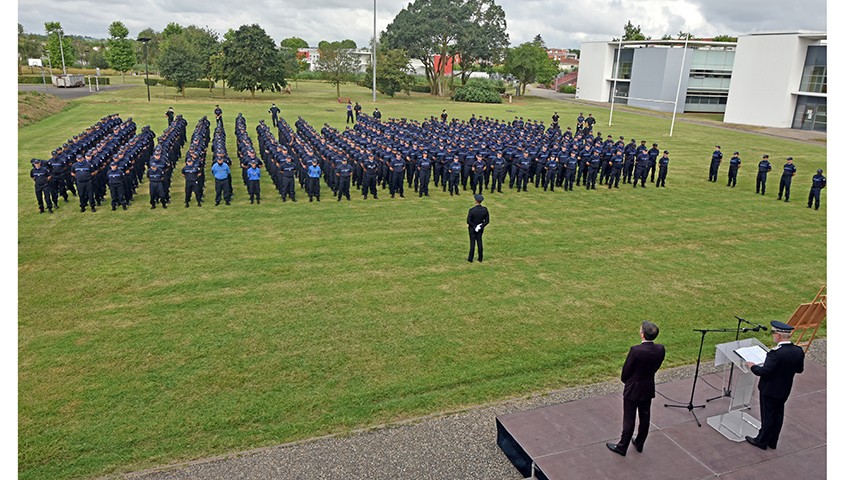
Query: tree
{"x": 631, "y": 33}
{"x": 120, "y": 53}
{"x": 179, "y": 60}
{"x": 484, "y": 40}
{"x": 251, "y": 60}
{"x": 206, "y": 43}
{"x": 28, "y": 47}
{"x": 294, "y": 43}
{"x": 724, "y": 38}
{"x": 152, "y": 46}
{"x": 393, "y": 72}
{"x": 337, "y": 62}
{"x": 290, "y": 61}
{"x": 435, "y": 31}
{"x": 54, "y": 50}
{"x": 529, "y": 63}
{"x": 539, "y": 41}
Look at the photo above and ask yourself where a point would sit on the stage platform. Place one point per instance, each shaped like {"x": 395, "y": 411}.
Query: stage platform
{"x": 567, "y": 441}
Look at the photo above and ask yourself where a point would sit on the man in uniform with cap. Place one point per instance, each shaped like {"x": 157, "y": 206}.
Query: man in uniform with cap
{"x": 191, "y": 173}
{"x": 156, "y": 186}
{"x": 83, "y": 172}
{"x": 776, "y": 380}
{"x": 314, "y": 172}
{"x": 253, "y": 179}
{"x": 761, "y": 179}
{"x": 170, "y": 114}
{"x": 787, "y": 175}
{"x": 734, "y": 165}
{"x": 716, "y": 158}
{"x": 478, "y": 218}
{"x": 344, "y": 171}
{"x": 662, "y": 168}
{"x": 639, "y": 387}
{"x": 818, "y": 183}
{"x": 221, "y": 172}
{"x": 40, "y": 174}
{"x": 274, "y": 111}
{"x": 116, "y": 186}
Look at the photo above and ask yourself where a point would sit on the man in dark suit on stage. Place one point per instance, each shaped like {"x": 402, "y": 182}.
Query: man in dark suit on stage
{"x": 478, "y": 218}
{"x": 639, "y": 378}
{"x": 782, "y": 363}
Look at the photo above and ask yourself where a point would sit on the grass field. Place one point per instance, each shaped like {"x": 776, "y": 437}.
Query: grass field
{"x": 148, "y": 337}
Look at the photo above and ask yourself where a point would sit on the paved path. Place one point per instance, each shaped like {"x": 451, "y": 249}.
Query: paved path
{"x": 788, "y": 133}
{"x": 457, "y": 445}
{"x": 69, "y": 93}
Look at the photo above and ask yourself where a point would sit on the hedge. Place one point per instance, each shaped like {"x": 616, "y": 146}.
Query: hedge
{"x": 476, "y": 94}
{"x": 28, "y": 79}
{"x": 194, "y": 84}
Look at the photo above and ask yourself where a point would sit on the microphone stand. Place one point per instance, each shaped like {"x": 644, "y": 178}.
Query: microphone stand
{"x": 690, "y": 405}
{"x": 727, "y": 391}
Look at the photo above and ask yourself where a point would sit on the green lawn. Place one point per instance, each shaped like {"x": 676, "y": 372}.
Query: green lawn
{"x": 149, "y": 337}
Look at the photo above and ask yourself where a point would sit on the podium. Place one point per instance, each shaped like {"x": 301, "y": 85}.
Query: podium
{"x": 737, "y": 423}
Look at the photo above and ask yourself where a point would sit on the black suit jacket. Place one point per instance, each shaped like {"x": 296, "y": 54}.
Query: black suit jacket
{"x": 639, "y": 371}
{"x": 478, "y": 215}
{"x": 778, "y": 370}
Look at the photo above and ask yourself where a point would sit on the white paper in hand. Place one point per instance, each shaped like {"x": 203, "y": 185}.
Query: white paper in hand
{"x": 478, "y": 227}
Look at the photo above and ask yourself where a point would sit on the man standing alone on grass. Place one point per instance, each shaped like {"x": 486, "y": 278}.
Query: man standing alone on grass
{"x": 478, "y": 218}
{"x": 639, "y": 379}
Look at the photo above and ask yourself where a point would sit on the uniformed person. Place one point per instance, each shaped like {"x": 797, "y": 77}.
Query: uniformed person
{"x": 191, "y": 173}
{"x": 349, "y": 113}
{"x": 314, "y": 172}
{"x": 40, "y": 174}
{"x": 498, "y": 171}
{"x": 551, "y": 167}
{"x": 616, "y": 166}
{"x": 170, "y": 116}
{"x": 523, "y": 174}
{"x": 423, "y": 167}
{"x": 116, "y": 186}
{"x": 274, "y": 111}
{"x": 454, "y": 170}
{"x": 370, "y": 177}
{"x": 734, "y": 165}
{"x": 662, "y": 169}
{"x": 288, "y": 184}
{"x": 396, "y": 169}
{"x": 716, "y": 158}
{"x": 817, "y": 185}
{"x": 478, "y": 218}
{"x": 221, "y": 172}
{"x": 218, "y": 114}
{"x": 787, "y": 175}
{"x": 376, "y": 114}
{"x": 83, "y": 172}
{"x": 357, "y": 109}
{"x": 156, "y": 186}
{"x": 477, "y": 168}
{"x": 654, "y": 159}
{"x": 642, "y": 166}
{"x": 344, "y": 171}
{"x": 761, "y": 179}
{"x": 570, "y": 171}
{"x": 253, "y": 177}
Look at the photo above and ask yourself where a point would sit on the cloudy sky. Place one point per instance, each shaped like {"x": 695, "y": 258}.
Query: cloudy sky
{"x": 562, "y": 24}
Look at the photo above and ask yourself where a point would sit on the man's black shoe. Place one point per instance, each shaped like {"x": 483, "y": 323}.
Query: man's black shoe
{"x": 614, "y": 447}
{"x": 93, "y": 208}
{"x": 124, "y": 207}
{"x": 639, "y": 447}
{"x": 469, "y": 260}
{"x": 752, "y": 441}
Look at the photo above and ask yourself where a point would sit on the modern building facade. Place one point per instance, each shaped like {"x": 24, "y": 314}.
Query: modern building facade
{"x": 772, "y": 79}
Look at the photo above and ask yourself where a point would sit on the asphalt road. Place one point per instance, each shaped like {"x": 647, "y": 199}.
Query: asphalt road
{"x": 69, "y": 93}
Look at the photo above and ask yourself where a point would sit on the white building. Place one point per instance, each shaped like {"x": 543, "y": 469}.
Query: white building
{"x": 770, "y": 79}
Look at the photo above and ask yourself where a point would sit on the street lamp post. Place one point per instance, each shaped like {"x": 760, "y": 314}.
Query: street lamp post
{"x": 61, "y": 49}
{"x": 146, "y": 63}
{"x": 375, "y": 54}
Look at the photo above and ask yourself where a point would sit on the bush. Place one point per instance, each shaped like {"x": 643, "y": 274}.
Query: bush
{"x": 568, "y": 89}
{"x": 29, "y": 79}
{"x": 308, "y": 75}
{"x": 420, "y": 88}
{"x": 487, "y": 83}
{"x": 476, "y": 94}
{"x": 194, "y": 84}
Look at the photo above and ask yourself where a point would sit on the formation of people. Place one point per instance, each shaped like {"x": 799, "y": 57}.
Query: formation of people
{"x": 818, "y": 182}
{"x": 375, "y": 154}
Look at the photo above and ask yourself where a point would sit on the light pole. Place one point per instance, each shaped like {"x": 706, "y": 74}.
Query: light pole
{"x": 375, "y": 54}
{"x": 61, "y": 49}
{"x": 146, "y": 63}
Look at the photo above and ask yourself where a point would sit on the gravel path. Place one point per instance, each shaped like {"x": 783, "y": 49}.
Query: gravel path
{"x": 69, "y": 93}
{"x": 456, "y": 445}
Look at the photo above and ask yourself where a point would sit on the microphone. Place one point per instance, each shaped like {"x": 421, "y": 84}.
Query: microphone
{"x": 757, "y": 326}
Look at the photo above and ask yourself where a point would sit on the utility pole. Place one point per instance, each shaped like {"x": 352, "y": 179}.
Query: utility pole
{"x": 61, "y": 49}
{"x": 375, "y": 54}
{"x": 146, "y": 62}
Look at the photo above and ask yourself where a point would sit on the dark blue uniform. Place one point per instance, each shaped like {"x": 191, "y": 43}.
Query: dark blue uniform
{"x": 662, "y": 169}
{"x": 761, "y": 179}
{"x": 192, "y": 173}
{"x": 817, "y": 185}
{"x": 641, "y": 167}
{"x": 116, "y": 186}
{"x": 478, "y": 169}
{"x": 716, "y": 158}
{"x": 156, "y": 186}
{"x": 734, "y": 165}
{"x": 40, "y": 174}
{"x": 370, "y": 177}
{"x": 423, "y": 166}
{"x": 396, "y": 167}
{"x": 83, "y": 172}
{"x": 784, "y": 184}
{"x": 344, "y": 171}
{"x": 454, "y": 169}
